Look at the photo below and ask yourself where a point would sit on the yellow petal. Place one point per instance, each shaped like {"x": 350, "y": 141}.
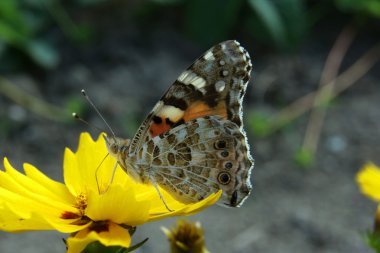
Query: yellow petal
{"x": 368, "y": 179}
{"x": 119, "y": 205}
{"x": 56, "y": 189}
{"x": 26, "y": 186}
{"x": 19, "y": 190}
{"x": 79, "y": 168}
{"x": 90, "y": 168}
{"x": 11, "y": 222}
{"x": 114, "y": 236}
{"x": 71, "y": 173}
{"x": 185, "y": 210}
{"x": 27, "y": 204}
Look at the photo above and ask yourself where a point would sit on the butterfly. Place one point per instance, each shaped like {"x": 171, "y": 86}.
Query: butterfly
{"x": 193, "y": 143}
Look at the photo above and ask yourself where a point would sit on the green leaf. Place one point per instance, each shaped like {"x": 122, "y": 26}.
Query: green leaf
{"x": 43, "y": 53}
{"x": 211, "y": 21}
{"x": 136, "y": 246}
{"x": 283, "y": 22}
{"x": 14, "y": 29}
{"x": 12, "y": 36}
{"x": 97, "y": 247}
{"x": 364, "y": 7}
{"x": 373, "y": 240}
{"x": 270, "y": 17}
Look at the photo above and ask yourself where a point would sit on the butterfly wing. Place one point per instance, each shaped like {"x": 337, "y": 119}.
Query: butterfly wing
{"x": 200, "y": 157}
{"x": 213, "y": 85}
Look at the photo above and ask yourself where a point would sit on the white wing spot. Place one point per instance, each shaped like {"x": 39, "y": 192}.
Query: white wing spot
{"x": 188, "y": 77}
{"x": 225, "y": 72}
{"x": 198, "y": 82}
{"x": 221, "y": 62}
{"x": 185, "y": 76}
{"x": 209, "y": 56}
{"x": 220, "y": 85}
{"x": 171, "y": 112}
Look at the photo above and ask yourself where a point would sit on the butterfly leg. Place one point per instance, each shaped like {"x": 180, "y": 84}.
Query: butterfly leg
{"x": 159, "y": 193}
{"x": 111, "y": 180}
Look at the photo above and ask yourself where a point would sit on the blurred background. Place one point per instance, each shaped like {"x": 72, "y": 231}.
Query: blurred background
{"x": 311, "y": 110}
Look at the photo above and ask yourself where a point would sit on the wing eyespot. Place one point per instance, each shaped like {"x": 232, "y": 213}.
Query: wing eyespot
{"x": 228, "y": 165}
{"x": 220, "y": 144}
{"x": 224, "y": 153}
{"x": 224, "y": 178}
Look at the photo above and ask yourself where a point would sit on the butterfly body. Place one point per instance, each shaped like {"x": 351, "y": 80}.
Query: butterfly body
{"x": 193, "y": 143}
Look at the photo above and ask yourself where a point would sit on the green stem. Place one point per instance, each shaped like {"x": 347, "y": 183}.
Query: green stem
{"x": 32, "y": 103}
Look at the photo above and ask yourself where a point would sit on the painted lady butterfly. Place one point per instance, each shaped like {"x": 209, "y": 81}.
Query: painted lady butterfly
{"x": 193, "y": 143}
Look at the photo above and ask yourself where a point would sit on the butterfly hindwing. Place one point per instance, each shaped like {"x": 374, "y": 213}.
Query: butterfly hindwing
{"x": 200, "y": 157}
{"x": 213, "y": 85}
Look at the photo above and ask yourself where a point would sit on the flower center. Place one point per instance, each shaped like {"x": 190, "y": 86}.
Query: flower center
{"x": 81, "y": 203}
{"x": 99, "y": 226}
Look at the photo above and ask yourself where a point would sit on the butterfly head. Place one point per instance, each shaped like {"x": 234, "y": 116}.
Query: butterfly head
{"x": 116, "y": 146}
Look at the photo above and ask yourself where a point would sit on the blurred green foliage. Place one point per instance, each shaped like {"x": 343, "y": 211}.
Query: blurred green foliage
{"x": 75, "y": 104}
{"x": 304, "y": 158}
{"x": 211, "y": 21}
{"x": 365, "y": 8}
{"x": 24, "y": 29}
{"x": 26, "y": 25}
{"x": 282, "y": 23}
{"x": 19, "y": 27}
{"x": 373, "y": 240}
{"x": 259, "y": 123}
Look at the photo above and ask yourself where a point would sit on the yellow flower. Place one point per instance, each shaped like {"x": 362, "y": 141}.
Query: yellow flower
{"x": 368, "y": 179}
{"x": 186, "y": 237}
{"x": 32, "y": 201}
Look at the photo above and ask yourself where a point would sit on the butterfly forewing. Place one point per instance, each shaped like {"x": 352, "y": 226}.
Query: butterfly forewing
{"x": 213, "y": 85}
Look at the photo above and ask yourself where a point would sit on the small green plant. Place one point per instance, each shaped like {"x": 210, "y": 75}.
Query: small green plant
{"x": 373, "y": 240}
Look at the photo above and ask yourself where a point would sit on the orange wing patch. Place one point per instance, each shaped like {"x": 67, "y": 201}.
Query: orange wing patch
{"x": 157, "y": 129}
{"x": 201, "y": 109}
{"x": 169, "y": 116}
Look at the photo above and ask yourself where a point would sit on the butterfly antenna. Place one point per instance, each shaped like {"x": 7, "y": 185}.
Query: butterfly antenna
{"x": 97, "y": 111}
{"x": 77, "y": 117}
